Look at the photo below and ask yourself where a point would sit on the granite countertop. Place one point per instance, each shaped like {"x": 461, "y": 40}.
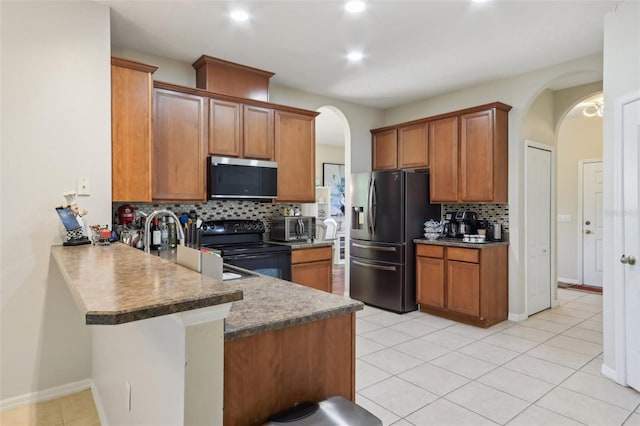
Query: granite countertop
{"x": 271, "y": 304}
{"x": 457, "y": 242}
{"x": 116, "y": 284}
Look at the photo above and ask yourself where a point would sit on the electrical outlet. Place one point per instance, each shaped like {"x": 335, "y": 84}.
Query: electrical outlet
{"x": 83, "y": 186}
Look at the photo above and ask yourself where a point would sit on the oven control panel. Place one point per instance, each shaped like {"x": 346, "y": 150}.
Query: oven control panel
{"x": 232, "y": 226}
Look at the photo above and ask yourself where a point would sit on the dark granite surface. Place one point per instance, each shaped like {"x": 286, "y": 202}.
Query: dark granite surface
{"x": 451, "y": 242}
{"x": 116, "y": 284}
{"x": 271, "y": 304}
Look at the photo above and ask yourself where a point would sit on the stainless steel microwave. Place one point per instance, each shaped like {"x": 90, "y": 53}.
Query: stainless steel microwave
{"x": 293, "y": 228}
{"x": 242, "y": 178}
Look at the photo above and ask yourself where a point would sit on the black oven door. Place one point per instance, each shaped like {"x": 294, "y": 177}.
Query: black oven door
{"x": 274, "y": 264}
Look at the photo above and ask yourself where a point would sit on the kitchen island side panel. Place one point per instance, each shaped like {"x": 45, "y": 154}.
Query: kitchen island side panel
{"x": 269, "y": 372}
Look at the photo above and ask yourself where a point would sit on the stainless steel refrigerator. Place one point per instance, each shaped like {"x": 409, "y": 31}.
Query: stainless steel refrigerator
{"x": 389, "y": 211}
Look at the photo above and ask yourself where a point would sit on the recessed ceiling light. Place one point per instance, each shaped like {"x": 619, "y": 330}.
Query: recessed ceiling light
{"x": 355, "y": 56}
{"x": 239, "y": 15}
{"x": 355, "y": 6}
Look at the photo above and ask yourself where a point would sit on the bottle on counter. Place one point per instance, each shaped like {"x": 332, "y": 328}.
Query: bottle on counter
{"x": 156, "y": 235}
{"x": 164, "y": 234}
{"x": 173, "y": 236}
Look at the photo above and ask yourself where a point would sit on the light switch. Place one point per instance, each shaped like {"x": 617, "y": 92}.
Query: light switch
{"x": 83, "y": 187}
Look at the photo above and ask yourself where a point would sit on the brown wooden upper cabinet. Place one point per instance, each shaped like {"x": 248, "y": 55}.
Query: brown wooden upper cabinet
{"x": 413, "y": 145}
{"x": 468, "y": 153}
{"x": 131, "y": 106}
{"x": 384, "y": 147}
{"x": 238, "y": 130}
{"x": 180, "y": 136}
{"x": 258, "y": 132}
{"x": 225, "y": 128}
{"x": 296, "y": 156}
{"x": 402, "y": 147}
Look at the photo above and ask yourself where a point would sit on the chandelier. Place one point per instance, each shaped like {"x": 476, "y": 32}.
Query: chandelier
{"x": 593, "y": 109}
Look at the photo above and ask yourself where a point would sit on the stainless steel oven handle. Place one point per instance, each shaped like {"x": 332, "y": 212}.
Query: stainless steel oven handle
{"x": 380, "y": 248}
{"x": 366, "y": 265}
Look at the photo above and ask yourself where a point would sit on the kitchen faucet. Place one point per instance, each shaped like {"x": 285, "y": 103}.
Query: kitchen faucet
{"x": 147, "y": 227}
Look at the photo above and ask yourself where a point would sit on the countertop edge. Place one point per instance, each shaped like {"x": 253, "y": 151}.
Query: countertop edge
{"x": 230, "y": 335}
{"x": 123, "y": 317}
{"x": 450, "y": 243}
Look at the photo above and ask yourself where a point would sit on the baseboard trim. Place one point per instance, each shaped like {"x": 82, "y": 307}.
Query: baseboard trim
{"x": 45, "y": 395}
{"x": 517, "y": 317}
{"x": 568, "y": 280}
{"x": 609, "y": 373}
{"x": 102, "y": 414}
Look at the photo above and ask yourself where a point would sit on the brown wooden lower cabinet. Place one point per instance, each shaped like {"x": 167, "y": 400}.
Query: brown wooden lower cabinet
{"x": 272, "y": 371}
{"x": 465, "y": 284}
{"x": 312, "y": 267}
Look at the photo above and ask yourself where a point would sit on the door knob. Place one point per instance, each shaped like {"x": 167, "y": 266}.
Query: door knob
{"x": 628, "y": 260}
{"x": 587, "y": 231}
{"x": 588, "y": 222}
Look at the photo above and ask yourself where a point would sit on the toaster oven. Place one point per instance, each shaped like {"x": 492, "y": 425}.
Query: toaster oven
{"x": 293, "y": 228}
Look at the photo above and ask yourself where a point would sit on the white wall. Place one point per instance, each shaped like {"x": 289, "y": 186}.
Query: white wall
{"x": 621, "y": 76}
{"x": 327, "y": 154}
{"x": 520, "y": 92}
{"x": 55, "y": 127}
{"x": 579, "y": 138}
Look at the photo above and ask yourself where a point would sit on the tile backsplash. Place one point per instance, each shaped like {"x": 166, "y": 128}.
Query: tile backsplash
{"x": 219, "y": 209}
{"x": 494, "y": 213}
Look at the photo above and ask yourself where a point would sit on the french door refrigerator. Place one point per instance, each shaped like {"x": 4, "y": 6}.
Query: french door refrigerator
{"x": 389, "y": 211}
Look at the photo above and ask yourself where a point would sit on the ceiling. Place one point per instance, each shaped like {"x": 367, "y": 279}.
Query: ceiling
{"x": 412, "y": 49}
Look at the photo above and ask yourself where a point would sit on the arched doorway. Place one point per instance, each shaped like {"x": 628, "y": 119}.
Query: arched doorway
{"x": 545, "y": 128}
{"x": 579, "y": 195}
{"x": 333, "y": 146}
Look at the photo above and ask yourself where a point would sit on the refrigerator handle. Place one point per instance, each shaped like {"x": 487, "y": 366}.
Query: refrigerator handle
{"x": 374, "y": 203}
{"x": 370, "y": 207}
{"x": 380, "y": 267}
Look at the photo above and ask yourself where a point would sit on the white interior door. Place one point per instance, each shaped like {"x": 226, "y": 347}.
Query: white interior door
{"x": 631, "y": 236}
{"x": 538, "y": 229}
{"x": 592, "y": 223}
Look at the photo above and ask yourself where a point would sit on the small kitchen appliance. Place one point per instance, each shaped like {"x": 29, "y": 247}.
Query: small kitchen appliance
{"x": 466, "y": 222}
{"x": 126, "y": 214}
{"x": 293, "y": 228}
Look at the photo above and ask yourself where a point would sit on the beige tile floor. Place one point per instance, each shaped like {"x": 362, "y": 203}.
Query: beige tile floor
{"x": 72, "y": 410}
{"x": 419, "y": 369}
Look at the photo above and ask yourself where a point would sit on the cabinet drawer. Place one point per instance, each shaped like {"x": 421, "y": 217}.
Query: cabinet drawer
{"x": 463, "y": 254}
{"x": 430, "y": 251}
{"x": 311, "y": 254}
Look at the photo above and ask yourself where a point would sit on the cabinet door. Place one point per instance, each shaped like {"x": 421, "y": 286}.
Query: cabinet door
{"x": 258, "y": 132}
{"x": 225, "y": 128}
{"x": 463, "y": 287}
{"x": 443, "y": 159}
{"x": 430, "y": 280}
{"x": 413, "y": 146}
{"x": 384, "y": 147}
{"x": 179, "y": 146}
{"x": 313, "y": 274}
{"x": 131, "y": 107}
{"x": 296, "y": 156}
{"x": 476, "y": 156}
